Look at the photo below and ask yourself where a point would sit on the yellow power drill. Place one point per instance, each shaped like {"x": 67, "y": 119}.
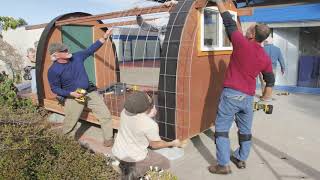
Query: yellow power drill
{"x": 83, "y": 98}
{"x": 267, "y": 108}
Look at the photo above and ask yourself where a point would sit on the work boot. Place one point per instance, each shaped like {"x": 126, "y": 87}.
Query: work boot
{"x": 240, "y": 164}
{"x": 218, "y": 169}
{"x": 108, "y": 142}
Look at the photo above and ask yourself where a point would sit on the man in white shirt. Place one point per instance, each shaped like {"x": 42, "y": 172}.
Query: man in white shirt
{"x": 137, "y": 132}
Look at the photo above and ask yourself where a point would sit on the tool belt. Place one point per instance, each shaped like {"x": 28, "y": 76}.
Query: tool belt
{"x": 91, "y": 88}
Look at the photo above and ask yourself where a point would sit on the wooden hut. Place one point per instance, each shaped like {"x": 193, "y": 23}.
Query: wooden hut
{"x": 189, "y": 67}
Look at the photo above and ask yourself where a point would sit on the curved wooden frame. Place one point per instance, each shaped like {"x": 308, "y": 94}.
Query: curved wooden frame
{"x": 189, "y": 83}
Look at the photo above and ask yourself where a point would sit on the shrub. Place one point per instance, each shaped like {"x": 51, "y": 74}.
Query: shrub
{"x": 9, "y": 97}
{"x": 155, "y": 174}
{"x": 29, "y": 150}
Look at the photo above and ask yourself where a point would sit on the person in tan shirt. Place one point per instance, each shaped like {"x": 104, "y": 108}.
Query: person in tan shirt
{"x": 137, "y": 132}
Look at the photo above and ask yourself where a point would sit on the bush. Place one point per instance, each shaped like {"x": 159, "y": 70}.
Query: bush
{"x": 9, "y": 97}
{"x": 29, "y": 150}
{"x": 154, "y": 174}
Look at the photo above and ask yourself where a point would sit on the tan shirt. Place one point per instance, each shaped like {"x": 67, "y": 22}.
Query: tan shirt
{"x": 133, "y": 137}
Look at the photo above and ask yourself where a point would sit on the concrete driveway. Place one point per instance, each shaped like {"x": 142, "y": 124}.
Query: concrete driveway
{"x": 286, "y": 144}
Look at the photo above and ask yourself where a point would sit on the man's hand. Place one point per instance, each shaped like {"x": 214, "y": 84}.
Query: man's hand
{"x": 265, "y": 99}
{"x": 170, "y": 3}
{"x": 282, "y": 71}
{"x": 153, "y": 112}
{"x": 220, "y": 4}
{"x": 176, "y": 143}
{"x": 75, "y": 95}
{"x": 108, "y": 33}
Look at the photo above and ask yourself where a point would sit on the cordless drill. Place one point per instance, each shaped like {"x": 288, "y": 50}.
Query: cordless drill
{"x": 283, "y": 94}
{"x": 267, "y": 108}
{"x": 83, "y": 98}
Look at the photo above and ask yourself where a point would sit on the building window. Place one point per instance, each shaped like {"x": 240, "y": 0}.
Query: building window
{"x": 213, "y": 35}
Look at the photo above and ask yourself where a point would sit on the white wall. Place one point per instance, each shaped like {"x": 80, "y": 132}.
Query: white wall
{"x": 22, "y": 39}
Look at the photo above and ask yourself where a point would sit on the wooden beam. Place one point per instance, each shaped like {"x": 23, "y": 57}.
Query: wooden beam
{"x": 245, "y": 12}
{"x": 200, "y": 4}
{"x": 123, "y": 23}
{"x": 118, "y": 14}
{"x": 52, "y": 105}
{"x": 37, "y": 26}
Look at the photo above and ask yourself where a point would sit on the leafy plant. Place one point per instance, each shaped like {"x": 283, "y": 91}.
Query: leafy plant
{"x": 7, "y": 22}
{"x": 9, "y": 97}
{"x": 30, "y": 150}
{"x": 158, "y": 174}
{"x": 11, "y": 57}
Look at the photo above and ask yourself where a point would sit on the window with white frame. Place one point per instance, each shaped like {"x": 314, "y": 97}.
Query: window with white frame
{"x": 213, "y": 35}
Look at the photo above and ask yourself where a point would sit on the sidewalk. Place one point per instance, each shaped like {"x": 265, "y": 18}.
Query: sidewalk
{"x": 286, "y": 144}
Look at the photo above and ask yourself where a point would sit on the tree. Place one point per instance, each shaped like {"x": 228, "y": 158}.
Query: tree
{"x": 7, "y": 22}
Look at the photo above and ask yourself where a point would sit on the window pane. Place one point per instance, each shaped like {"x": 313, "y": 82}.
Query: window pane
{"x": 210, "y": 28}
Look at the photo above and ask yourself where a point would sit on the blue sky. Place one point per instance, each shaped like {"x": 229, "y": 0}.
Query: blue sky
{"x": 42, "y": 11}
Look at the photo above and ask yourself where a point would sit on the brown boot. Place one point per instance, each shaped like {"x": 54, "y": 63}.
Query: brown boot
{"x": 218, "y": 169}
{"x": 240, "y": 164}
{"x": 108, "y": 142}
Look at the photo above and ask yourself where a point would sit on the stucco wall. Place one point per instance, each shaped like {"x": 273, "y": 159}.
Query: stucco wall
{"x": 22, "y": 39}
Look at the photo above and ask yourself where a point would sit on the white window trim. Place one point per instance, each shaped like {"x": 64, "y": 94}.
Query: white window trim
{"x": 220, "y": 46}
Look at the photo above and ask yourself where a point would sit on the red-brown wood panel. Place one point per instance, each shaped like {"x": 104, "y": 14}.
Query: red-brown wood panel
{"x": 54, "y": 38}
{"x": 105, "y": 62}
{"x": 199, "y": 79}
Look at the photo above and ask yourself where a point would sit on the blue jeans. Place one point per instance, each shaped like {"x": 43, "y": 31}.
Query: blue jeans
{"x": 234, "y": 106}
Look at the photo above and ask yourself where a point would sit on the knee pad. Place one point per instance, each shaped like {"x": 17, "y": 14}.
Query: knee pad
{"x": 220, "y": 134}
{"x": 244, "y": 137}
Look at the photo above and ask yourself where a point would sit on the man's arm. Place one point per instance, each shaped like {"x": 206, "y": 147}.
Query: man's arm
{"x": 154, "y": 139}
{"x": 236, "y": 37}
{"x": 146, "y": 26}
{"x": 55, "y": 85}
{"x": 270, "y": 80}
{"x": 163, "y": 144}
{"x": 268, "y": 77}
{"x": 229, "y": 23}
{"x": 95, "y": 46}
{"x": 54, "y": 81}
{"x": 281, "y": 61}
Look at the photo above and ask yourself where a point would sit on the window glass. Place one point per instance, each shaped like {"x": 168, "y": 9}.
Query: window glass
{"x": 211, "y": 28}
{"x": 213, "y": 35}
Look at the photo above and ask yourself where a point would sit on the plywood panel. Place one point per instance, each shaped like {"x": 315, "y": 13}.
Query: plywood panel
{"x": 199, "y": 82}
{"x": 87, "y": 115}
{"x": 54, "y": 38}
{"x": 78, "y": 38}
{"x": 106, "y": 64}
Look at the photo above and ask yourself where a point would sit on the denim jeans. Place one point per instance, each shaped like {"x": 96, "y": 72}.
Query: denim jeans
{"x": 234, "y": 106}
